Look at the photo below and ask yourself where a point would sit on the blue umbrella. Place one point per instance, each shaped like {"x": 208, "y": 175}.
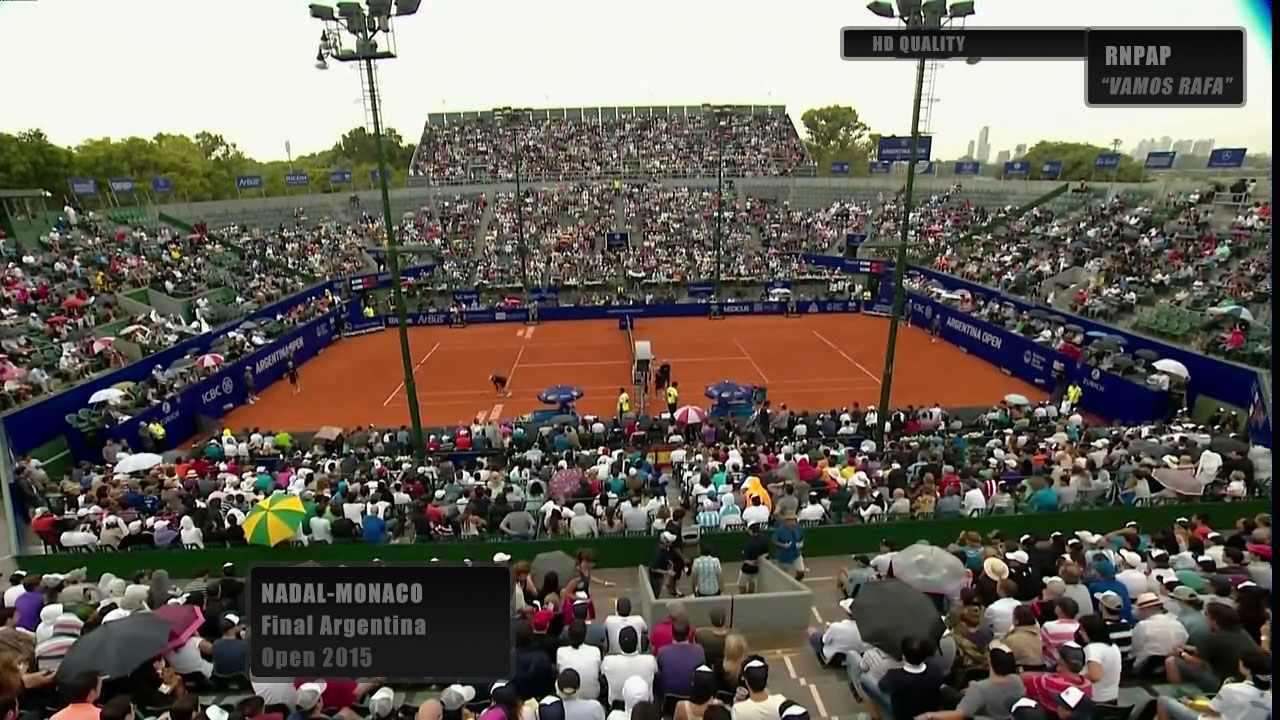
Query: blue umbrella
{"x": 1095, "y": 334}
{"x": 1118, "y": 339}
{"x": 557, "y": 394}
{"x": 729, "y": 392}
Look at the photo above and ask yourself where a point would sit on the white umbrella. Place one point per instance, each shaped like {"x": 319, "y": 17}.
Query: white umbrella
{"x": 1172, "y": 367}
{"x": 100, "y": 344}
{"x": 140, "y": 462}
{"x": 690, "y": 415}
{"x": 107, "y": 395}
{"x": 1238, "y": 312}
{"x": 134, "y": 330}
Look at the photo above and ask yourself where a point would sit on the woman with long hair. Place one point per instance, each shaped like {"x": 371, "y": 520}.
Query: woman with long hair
{"x": 1103, "y": 661}
{"x": 611, "y": 523}
{"x": 701, "y": 696}
{"x": 729, "y": 671}
{"x": 35, "y": 688}
{"x": 1251, "y": 604}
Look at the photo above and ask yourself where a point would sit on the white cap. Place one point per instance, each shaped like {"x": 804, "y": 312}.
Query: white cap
{"x": 501, "y": 557}
{"x": 1018, "y": 556}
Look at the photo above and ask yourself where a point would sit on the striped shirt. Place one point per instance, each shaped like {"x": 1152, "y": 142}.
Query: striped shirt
{"x": 1122, "y": 637}
{"x": 706, "y": 575}
{"x": 709, "y": 519}
{"x": 1052, "y": 636}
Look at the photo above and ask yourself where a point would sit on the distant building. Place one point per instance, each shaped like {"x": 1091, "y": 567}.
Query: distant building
{"x": 1202, "y": 147}
{"x": 1183, "y": 147}
{"x": 1020, "y": 150}
{"x": 1001, "y": 158}
{"x": 1144, "y": 147}
{"x": 1165, "y": 143}
{"x": 969, "y": 152}
{"x": 984, "y": 144}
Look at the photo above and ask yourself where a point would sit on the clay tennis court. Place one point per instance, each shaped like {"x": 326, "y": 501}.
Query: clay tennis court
{"x": 811, "y": 362}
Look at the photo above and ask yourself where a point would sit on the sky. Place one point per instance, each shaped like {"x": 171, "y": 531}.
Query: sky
{"x": 82, "y": 69}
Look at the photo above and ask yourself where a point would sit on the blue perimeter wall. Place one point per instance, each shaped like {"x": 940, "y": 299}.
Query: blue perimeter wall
{"x": 1106, "y": 395}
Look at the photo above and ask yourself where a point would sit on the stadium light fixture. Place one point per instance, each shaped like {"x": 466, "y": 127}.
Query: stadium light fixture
{"x": 882, "y": 8}
{"x": 407, "y": 7}
{"x": 915, "y": 14}
{"x": 365, "y": 23}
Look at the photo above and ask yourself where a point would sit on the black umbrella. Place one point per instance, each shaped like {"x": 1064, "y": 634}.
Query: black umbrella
{"x": 1227, "y": 444}
{"x": 1058, "y": 319}
{"x": 889, "y": 610}
{"x": 1107, "y": 345}
{"x": 1074, "y": 328}
{"x": 1121, "y": 361}
{"x": 1148, "y": 355}
{"x": 117, "y": 648}
{"x": 1039, "y": 314}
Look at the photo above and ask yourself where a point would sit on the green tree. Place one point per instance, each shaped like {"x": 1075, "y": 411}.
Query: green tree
{"x": 1078, "y": 161}
{"x": 836, "y": 134}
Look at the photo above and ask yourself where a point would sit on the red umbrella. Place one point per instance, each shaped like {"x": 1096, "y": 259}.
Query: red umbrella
{"x": 73, "y": 302}
{"x": 184, "y": 622}
{"x": 57, "y": 319}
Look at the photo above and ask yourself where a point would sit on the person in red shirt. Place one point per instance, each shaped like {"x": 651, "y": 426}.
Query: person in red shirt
{"x": 463, "y": 443}
{"x": 42, "y": 526}
{"x": 1200, "y": 526}
{"x": 662, "y": 634}
{"x": 1044, "y": 687}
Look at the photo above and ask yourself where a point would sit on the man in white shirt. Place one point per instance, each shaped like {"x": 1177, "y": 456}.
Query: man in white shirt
{"x": 999, "y": 614}
{"x": 575, "y": 707}
{"x": 15, "y": 589}
{"x": 276, "y": 693}
{"x": 189, "y": 657}
{"x": 755, "y": 512}
{"x": 628, "y": 663}
{"x": 759, "y": 704}
{"x": 1133, "y": 575}
{"x": 621, "y": 618}
{"x": 839, "y": 640}
{"x": 1156, "y": 636}
{"x": 973, "y": 500}
{"x": 583, "y": 658}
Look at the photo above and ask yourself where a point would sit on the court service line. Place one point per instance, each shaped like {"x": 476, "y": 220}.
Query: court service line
{"x": 817, "y": 701}
{"x": 791, "y": 669}
{"x": 415, "y": 369}
{"x": 496, "y": 412}
{"x": 529, "y": 332}
{"x": 751, "y": 360}
{"x": 846, "y": 357}
{"x": 816, "y": 616}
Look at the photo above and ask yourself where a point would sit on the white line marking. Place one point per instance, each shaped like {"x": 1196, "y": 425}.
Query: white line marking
{"x": 400, "y": 387}
{"x": 747, "y": 356}
{"x": 588, "y": 363}
{"x": 816, "y": 615}
{"x": 820, "y": 578}
{"x": 481, "y": 416}
{"x": 846, "y": 357}
{"x": 803, "y": 682}
{"x": 529, "y": 332}
{"x": 520, "y": 333}
{"x": 515, "y": 365}
{"x": 791, "y": 669}
{"x": 496, "y": 412}
{"x": 817, "y": 701}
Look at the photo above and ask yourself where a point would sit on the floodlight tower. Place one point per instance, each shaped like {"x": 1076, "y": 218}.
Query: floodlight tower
{"x": 914, "y": 15}
{"x": 515, "y": 119}
{"x": 720, "y": 115}
{"x": 363, "y": 33}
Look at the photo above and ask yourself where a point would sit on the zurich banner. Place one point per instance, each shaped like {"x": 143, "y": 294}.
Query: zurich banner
{"x": 898, "y": 149}
{"x": 881, "y": 166}
{"x": 297, "y": 179}
{"x": 340, "y": 177}
{"x": 219, "y": 393}
{"x": 248, "y": 182}
{"x": 1105, "y": 394}
{"x": 121, "y": 186}
{"x": 1017, "y": 167}
{"x": 1159, "y": 160}
{"x": 1051, "y": 170}
{"x": 375, "y": 177}
{"x": 1107, "y": 161}
{"x": 617, "y": 240}
{"x": 839, "y": 168}
{"x": 853, "y": 241}
{"x": 1212, "y": 377}
{"x": 700, "y": 289}
{"x": 161, "y": 185}
{"x": 546, "y": 293}
{"x": 1227, "y": 158}
{"x": 926, "y": 167}
{"x": 968, "y": 167}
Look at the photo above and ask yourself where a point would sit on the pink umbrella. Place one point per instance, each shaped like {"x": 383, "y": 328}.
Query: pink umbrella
{"x": 690, "y": 415}
{"x": 100, "y": 344}
{"x": 57, "y": 319}
{"x": 73, "y": 302}
{"x": 184, "y": 622}
{"x": 209, "y": 361}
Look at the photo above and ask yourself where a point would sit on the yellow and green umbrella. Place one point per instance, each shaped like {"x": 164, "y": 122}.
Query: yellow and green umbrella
{"x": 274, "y": 520}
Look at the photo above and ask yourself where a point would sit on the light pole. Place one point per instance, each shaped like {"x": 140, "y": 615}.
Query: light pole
{"x": 369, "y": 27}
{"x": 515, "y": 119}
{"x": 915, "y": 15}
{"x": 720, "y": 118}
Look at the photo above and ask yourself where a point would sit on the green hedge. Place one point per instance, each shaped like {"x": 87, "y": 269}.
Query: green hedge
{"x": 634, "y": 550}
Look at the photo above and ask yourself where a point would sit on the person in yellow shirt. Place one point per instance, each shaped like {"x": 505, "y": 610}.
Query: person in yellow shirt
{"x": 368, "y": 311}
{"x": 673, "y": 397}
{"x": 624, "y": 402}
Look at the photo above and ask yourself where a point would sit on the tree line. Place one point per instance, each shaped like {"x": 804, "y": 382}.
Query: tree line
{"x": 200, "y": 167}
